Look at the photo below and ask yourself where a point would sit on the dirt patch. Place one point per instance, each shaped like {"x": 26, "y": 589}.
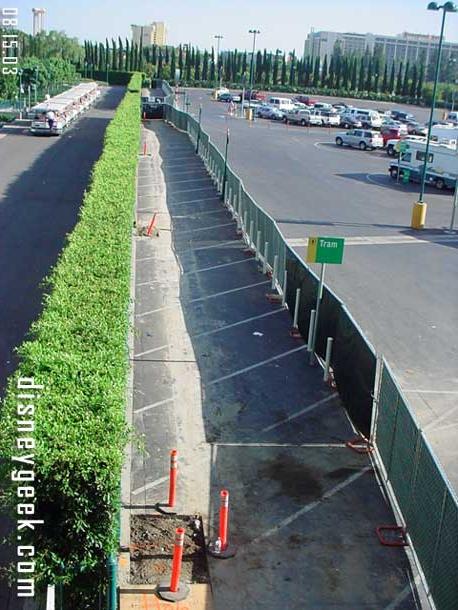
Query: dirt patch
{"x": 151, "y": 548}
{"x": 296, "y": 480}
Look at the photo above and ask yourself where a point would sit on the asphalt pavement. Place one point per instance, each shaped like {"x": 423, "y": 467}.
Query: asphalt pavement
{"x": 42, "y": 184}
{"x": 217, "y": 376}
{"x": 400, "y": 285}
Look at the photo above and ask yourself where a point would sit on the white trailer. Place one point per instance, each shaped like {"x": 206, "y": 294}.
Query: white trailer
{"x": 441, "y": 169}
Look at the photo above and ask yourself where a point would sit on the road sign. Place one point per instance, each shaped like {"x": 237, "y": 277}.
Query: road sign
{"x": 401, "y": 146}
{"x": 325, "y": 250}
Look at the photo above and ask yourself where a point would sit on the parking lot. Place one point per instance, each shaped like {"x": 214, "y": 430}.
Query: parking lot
{"x": 399, "y": 284}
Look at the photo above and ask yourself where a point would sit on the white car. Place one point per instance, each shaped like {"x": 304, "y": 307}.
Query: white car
{"x": 315, "y": 118}
{"x": 360, "y": 138}
{"x": 330, "y": 119}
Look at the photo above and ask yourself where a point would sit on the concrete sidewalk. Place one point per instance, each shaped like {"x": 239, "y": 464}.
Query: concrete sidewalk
{"x": 217, "y": 376}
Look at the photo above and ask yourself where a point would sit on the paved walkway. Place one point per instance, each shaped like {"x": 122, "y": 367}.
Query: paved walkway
{"x": 217, "y": 376}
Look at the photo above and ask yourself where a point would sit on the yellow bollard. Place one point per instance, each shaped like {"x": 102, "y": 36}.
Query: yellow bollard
{"x": 419, "y": 215}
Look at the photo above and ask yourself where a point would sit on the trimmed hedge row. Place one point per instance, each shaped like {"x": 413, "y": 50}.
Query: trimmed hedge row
{"x": 78, "y": 350}
{"x": 115, "y": 77}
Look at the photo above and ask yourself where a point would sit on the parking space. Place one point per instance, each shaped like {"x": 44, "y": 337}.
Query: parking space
{"x": 400, "y": 285}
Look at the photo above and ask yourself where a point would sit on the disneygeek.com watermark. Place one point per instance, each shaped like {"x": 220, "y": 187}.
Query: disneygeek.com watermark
{"x": 23, "y": 476}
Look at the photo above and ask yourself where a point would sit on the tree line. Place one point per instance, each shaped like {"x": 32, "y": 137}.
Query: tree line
{"x": 367, "y": 73}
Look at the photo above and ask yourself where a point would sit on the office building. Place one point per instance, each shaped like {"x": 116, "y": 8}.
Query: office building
{"x": 154, "y": 33}
{"x": 414, "y": 48}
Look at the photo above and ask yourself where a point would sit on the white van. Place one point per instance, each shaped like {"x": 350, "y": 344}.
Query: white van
{"x": 282, "y": 103}
{"x": 368, "y": 118}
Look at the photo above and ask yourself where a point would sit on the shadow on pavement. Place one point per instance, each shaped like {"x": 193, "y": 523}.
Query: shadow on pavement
{"x": 305, "y": 507}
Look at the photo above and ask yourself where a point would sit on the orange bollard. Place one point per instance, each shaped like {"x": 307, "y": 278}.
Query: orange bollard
{"x": 173, "y": 477}
{"x": 175, "y": 590}
{"x": 149, "y": 230}
{"x": 144, "y": 149}
{"x": 223, "y": 518}
{"x": 221, "y": 547}
{"x": 177, "y": 559}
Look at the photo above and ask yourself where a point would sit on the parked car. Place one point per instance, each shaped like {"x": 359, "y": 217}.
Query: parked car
{"x": 329, "y": 119}
{"x": 266, "y": 111}
{"x": 297, "y": 117}
{"x": 315, "y": 117}
{"x": 360, "y": 138}
{"x": 389, "y": 132}
{"x": 347, "y": 121}
{"x": 221, "y": 91}
{"x": 225, "y": 97}
{"x": 322, "y": 106}
{"x": 282, "y": 103}
{"x": 391, "y": 145}
{"x": 402, "y": 116}
{"x": 417, "y": 129}
{"x": 370, "y": 119}
{"x": 305, "y": 99}
{"x": 452, "y": 117}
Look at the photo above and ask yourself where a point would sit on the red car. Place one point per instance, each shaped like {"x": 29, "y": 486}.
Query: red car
{"x": 305, "y": 99}
{"x": 390, "y": 133}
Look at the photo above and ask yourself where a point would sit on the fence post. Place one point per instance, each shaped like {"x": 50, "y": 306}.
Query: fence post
{"x": 274, "y": 272}
{"x": 285, "y": 285}
{"x": 112, "y": 583}
{"x": 296, "y": 307}
{"x": 258, "y": 245}
{"x": 198, "y": 132}
{"x": 327, "y": 363}
{"x": 266, "y": 252}
{"x": 311, "y": 327}
{"x": 251, "y": 240}
{"x": 223, "y": 188}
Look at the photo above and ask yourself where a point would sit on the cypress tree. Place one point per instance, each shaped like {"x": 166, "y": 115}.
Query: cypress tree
{"x": 339, "y": 65}
{"x": 283, "y": 71}
{"x": 197, "y": 75}
{"x": 101, "y": 57}
{"x": 173, "y": 66}
{"x": 96, "y": 55}
{"x": 180, "y": 60}
{"x": 292, "y": 69}
{"x": 354, "y": 72}
{"x": 167, "y": 56}
{"x": 136, "y": 62}
{"x": 205, "y": 66}
{"x": 377, "y": 74}
{"x": 399, "y": 80}
{"x": 275, "y": 70}
{"x": 345, "y": 73}
{"x": 405, "y": 83}
{"x": 324, "y": 72}
{"x": 369, "y": 75}
{"x": 421, "y": 78}
{"x": 362, "y": 72}
{"x": 159, "y": 63}
{"x": 188, "y": 65}
{"x": 331, "y": 73}
{"x": 107, "y": 53}
{"x": 391, "y": 83}
{"x": 126, "y": 60}
{"x": 120, "y": 54}
{"x": 385, "y": 79}
{"x": 413, "y": 83}
{"x": 212, "y": 65}
{"x": 316, "y": 72}
{"x": 114, "y": 59}
{"x": 154, "y": 58}
{"x": 258, "y": 69}
{"x": 268, "y": 72}
{"x": 244, "y": 64}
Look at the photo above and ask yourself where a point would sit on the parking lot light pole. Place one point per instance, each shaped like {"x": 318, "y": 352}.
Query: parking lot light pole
{"x": 420, "y": 207}
{"x": 255, "y": 33}
{"x": 218, "y": 37}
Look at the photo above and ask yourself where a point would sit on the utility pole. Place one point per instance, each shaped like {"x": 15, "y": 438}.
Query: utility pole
{"x": 218, "y": 37}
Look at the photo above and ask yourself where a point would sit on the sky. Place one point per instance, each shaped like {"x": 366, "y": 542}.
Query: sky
{"x": 283, "y": 24}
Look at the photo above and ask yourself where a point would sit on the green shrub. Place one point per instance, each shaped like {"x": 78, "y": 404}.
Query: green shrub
{"x": 114, "y": 77}
{"x": 78, "y": 350}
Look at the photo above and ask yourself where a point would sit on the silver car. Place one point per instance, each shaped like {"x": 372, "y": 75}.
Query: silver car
{"x": 269, "y": 112}
{"x": 360, "y": 138}
{"x": 298, "y": 117}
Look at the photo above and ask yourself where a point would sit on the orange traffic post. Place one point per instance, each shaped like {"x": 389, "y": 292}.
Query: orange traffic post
{"x": 149, "y": 230}
{"x": 144, "y": 149}
{"x": 173, "y": 477}
{"x": 221, "y": 547}
{"x": 175, "y": 590}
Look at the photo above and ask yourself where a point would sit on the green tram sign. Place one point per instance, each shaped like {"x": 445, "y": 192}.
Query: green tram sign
{"x": 325, "y": 250}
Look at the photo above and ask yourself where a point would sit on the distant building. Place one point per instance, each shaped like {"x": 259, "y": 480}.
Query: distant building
{"x": 414, "y": 48}
{"x": 38, "y": 20}
{"x": 154, "y": 33}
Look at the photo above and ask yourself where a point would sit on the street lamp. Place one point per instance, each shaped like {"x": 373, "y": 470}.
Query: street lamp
{"x": 255, "y": 33}
{"x": 218, "y": 37}
{"x": 420, "y": 207}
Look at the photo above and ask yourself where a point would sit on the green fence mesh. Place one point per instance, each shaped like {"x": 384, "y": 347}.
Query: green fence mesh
{"x": 426, "y": 500}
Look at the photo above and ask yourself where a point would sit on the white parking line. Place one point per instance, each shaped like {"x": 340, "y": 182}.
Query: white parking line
{"x": 245, "y": 260}
{"x": 309, "y": 507}
{"x": 150, "y": 351}
{"x": 256, "y": 366}
{"x": 245, "y": 321}
{"x": 299, "y": 413}
{"x": 153, "y": 405}
{"x": 199, "y": 299}
{"x": 408, "y": 590}
{"x": 226, "y": 224}
{"x": 149, "y": 485}
{"x": 292, "y": 445}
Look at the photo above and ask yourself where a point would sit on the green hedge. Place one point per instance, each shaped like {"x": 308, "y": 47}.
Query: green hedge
{"x": 78, "y": 350}
{"x": 114, "y": 77}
